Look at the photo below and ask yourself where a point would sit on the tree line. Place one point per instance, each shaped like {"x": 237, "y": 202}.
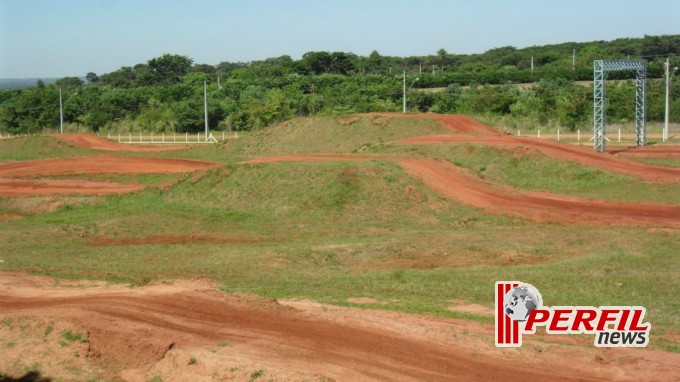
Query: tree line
{"x": 166, "y": 93}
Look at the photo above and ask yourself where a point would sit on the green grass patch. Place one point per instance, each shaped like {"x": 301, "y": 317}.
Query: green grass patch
{"x": 71, "y": 336}
{"x": 39, "y": 147}
{"x": 332, "y": 134}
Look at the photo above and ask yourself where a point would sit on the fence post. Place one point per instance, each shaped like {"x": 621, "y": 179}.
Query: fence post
{"x": 140, "y": 137}
{"x": 619, "y": 135}
{"x": 558, "y": 135}
{"x": 538, "y": 134}
{"x": 151, "y": 137}
{"x": 118, "y": 137}
{"x": 130, "y": 137}
{"x": 186, "y": 137}
{"x": 518, "y": 132}
{"x": 198, "y": 137}
{"x": 578, "y": 135}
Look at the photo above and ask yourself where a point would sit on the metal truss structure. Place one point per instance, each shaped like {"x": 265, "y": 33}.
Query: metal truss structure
{"x": 600, "y": 70}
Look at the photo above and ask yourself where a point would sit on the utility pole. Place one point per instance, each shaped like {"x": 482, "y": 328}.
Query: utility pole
{"x": 669, "y": 77}
{"x": 433, "y": 70}
{"x": 61, "y": 113}
{"x": 404, "y": 92}
{"x": 532, "y": 64}
{"x": 420, "y": 68}
{"x": 205, "y": 106}
{"x": 573, "y": 60}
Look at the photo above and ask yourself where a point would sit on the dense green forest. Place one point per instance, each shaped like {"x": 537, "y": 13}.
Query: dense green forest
{"x": 166, "y": 93}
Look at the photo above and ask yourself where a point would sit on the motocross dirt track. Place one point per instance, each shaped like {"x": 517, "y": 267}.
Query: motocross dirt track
{"x": 539, "y": 206}
{"x": 582, "y": 155}
{"x": 137, "y": 333}
{"x": 101, "y": 164}
{"x": 649, "y": 152}
{"x": 27, "y": 187}
{"x": 146, "y": 331}
{"x": 100, "y": 143}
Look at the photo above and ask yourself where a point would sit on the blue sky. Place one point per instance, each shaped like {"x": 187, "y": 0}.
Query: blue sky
{"x": 56, "y": 38}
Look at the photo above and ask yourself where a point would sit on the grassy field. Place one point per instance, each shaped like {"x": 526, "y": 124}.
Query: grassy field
{"x": 336, "y": 230}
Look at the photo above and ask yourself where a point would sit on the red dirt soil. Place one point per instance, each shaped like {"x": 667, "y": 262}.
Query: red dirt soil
{"x": 649, "y": 152}
{"x": 25, "y": 187}
{"x": 136, "y": 333}
{"x": 540, "y": 206}
{"x": 101, "y": 164}
{"x": 455, "y": 123}
{"x": 100, "y": 143}
{"x": 581, "y": 155}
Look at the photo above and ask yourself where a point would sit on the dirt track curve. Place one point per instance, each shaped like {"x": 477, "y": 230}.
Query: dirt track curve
{"x": 100, "y": 143}
{"x": 101, "y": 164}
{"x": 582, "y": 155}
{"x": 467, "y": 188}
{"x": 141, "y": 328}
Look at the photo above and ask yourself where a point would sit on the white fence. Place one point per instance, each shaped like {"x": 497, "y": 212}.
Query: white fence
{"x": 173, "y": 138}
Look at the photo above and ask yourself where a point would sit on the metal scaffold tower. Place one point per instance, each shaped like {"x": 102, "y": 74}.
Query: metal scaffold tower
{"x": 600, "y": 70}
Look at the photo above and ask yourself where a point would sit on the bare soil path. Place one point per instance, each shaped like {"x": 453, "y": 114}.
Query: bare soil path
{"x": 136, "y": 333}
{"x": 101, "y": 164}
{"x": 582, "y": 155}
{"x": 466, "y": 187}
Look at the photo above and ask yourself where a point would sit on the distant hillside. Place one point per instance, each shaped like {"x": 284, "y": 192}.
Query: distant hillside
{"x": 23, "y": 83}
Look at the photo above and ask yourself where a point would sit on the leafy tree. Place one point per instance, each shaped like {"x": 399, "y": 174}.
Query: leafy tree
{"x": 169, "y": 69}
{"x": 69, "y": 82}
{"x": 91, "y": 78}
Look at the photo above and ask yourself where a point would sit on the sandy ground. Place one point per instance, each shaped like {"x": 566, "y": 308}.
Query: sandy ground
{"x": 187, "y": 330}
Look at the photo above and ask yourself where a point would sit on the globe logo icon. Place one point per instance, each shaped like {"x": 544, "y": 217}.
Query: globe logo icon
{"x": 520, "y": 301}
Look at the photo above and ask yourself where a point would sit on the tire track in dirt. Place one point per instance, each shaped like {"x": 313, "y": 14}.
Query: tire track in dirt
{"x": 536, "y": 205}
{"x": 558, "y": 150}
{"x": 102, "y": 164}
{"x": 99, "y": 143}
{"x": 649, "y": 152}
{"x": 455, "y": 123}
{"x": 28, "y": 187}
{"x": 468, "y": 188}
{"x": 135, "y": 328}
